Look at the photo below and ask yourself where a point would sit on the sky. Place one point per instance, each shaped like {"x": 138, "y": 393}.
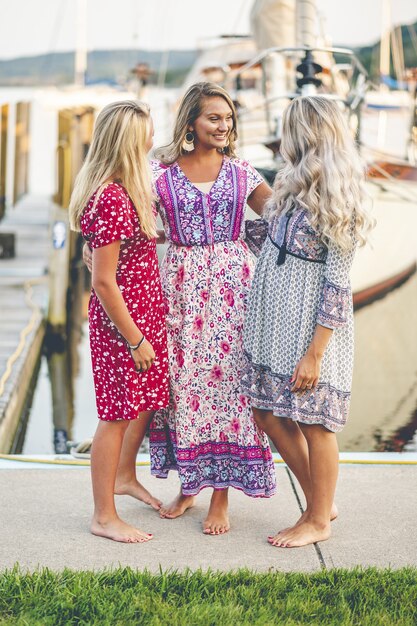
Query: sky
{"x": 29, "y": 27}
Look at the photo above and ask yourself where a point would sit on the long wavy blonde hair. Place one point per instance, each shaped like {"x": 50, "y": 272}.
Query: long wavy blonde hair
{"x": 118, "y": 151}
{"x": 322, "y": 172}
{"x": 190, "y": 109}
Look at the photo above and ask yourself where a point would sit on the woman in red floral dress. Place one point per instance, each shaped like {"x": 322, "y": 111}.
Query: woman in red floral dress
{"x": 112, "y": 206}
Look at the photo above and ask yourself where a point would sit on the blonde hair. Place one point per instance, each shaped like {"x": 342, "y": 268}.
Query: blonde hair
{"x": 118, "y": 151}
{"x": 322, "y": 172}
{"x": 190, "y": 109}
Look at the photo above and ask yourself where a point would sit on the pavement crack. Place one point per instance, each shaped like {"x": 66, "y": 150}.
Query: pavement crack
{"x": 297, "y": 497}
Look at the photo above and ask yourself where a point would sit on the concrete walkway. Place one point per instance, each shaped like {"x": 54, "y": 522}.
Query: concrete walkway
{"x": 44, "y": 521}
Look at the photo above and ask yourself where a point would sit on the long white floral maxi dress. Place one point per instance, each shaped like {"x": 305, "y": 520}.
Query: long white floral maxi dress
{"x": 208, "y": 433}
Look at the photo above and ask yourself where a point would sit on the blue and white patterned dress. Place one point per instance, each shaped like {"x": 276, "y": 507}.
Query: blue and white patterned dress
{"x": 299, "y": 282}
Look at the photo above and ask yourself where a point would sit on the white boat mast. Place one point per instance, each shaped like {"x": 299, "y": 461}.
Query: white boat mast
{"x": 306, "y": 18}
{"x": 81, "y": 44}
{"x": 384, "y": 59}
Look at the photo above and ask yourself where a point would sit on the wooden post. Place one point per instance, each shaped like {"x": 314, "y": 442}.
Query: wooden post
{"x": 74, "y": 134}
{"x": 21, "y": 167}
{"x": 4, "y": 124}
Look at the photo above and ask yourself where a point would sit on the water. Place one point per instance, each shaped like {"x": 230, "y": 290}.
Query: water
{"x": 74, "y": 418}
{"x": 383, "y": 412}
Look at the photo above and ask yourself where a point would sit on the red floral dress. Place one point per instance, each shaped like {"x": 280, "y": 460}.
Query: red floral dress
{"x": 121, "y": 391}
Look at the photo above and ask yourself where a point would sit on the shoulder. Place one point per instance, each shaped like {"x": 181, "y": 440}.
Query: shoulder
{"x": 113, "y": 197}
{"x": 110, "y": 218}
{"x": 248, "y": 173}
{"x": 242, "y": 164}
{"x": 113, "y": 193}
{"x": 158, "y": 169}
{"x": 112, "y": 201}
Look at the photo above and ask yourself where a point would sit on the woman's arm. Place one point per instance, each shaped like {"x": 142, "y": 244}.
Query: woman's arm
{"x": 104, "y": 266}
{"x": 88, "y": 257}
{"x": 161, "y": 236}
{"x": 307, "y": 370}
{"x": 333, "y": 312}
{"x": 258, "y": 197}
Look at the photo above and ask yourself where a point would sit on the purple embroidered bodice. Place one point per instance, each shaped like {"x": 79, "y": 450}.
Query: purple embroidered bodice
{"x": 194, "y": 218}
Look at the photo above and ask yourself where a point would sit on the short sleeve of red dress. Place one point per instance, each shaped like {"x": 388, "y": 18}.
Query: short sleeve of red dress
{"x": 109, "y": 220}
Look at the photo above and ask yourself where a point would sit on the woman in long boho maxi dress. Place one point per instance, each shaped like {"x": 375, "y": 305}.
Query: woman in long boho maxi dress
{"x": 299, "y": 325}
{"x": 208, "y": 433}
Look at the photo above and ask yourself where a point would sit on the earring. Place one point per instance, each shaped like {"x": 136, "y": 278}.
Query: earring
{"x": 188, "y": 143}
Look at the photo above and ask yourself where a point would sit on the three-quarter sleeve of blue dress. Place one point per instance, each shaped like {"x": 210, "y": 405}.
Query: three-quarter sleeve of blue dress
{"x": 336, "y": 295}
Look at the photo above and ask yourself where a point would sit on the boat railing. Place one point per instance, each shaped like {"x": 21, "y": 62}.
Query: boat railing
{"x": 347, "y": 82}
{"x": 287, "y": 51}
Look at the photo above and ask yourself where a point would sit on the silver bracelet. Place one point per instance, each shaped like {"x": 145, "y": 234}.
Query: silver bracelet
{"x": 135, "y": 347}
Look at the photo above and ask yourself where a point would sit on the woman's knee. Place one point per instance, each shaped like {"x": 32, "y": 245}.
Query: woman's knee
{"x": 316, "y": 431}
{"x": 260, "y": 416}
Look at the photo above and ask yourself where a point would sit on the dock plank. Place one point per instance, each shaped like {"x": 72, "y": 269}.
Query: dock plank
{"x": 23, "y": 301}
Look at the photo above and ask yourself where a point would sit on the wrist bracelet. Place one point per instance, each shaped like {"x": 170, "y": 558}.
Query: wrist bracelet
{"x": 135, "y": 347}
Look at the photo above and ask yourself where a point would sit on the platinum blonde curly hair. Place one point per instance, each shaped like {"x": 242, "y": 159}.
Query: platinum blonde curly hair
{"x": 322, "y": 172}
{"x": 118, "y": 151}
{"x": 190, "y": 109}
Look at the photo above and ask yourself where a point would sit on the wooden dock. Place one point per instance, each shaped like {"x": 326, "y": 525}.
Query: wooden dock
{"x": 24, "y": 288}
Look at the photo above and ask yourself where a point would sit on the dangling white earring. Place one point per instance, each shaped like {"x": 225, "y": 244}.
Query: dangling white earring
{"x": 188, "y": 143}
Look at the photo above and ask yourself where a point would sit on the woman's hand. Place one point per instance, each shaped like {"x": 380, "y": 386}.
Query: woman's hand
{"x": 161, "y": 237}
{"x": 144, "y": 356}
{"x": 88, "y": 257}
{"x": 306, "y": 373}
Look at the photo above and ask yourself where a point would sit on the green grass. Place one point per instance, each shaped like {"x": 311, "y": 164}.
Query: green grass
{"x": 363, "y": 597}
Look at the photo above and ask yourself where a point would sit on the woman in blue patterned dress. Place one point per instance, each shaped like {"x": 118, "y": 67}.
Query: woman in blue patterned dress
{"x": 299, "y": 326}
{"x": 208, "y": 433}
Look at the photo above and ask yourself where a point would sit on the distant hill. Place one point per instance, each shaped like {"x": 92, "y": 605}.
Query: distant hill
{"x": 112, "y": 66}
{"x": 369, "y": 55}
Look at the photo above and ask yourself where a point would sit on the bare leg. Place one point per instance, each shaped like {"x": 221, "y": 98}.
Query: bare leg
{"x": 105, "y": 454}
{"x": 291, "y": 444}
{"x": 324, "y": 468}
{"x": 217, "y": 520}
{"x": 126, "y": 480}
{"x": 177, "y": 507}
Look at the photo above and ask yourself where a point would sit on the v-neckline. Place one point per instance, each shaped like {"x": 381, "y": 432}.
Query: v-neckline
{"x": 224, "y": 160}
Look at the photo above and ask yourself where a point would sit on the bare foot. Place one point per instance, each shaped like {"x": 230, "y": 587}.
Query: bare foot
{"x": 177, "y": 507}
{"x": 301, "y": 535}
{"x": 217, "y": 520}
{"x": 118, "y": 530}
{"x": 136, "y": 490}
{"x": 334, "y": 512}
